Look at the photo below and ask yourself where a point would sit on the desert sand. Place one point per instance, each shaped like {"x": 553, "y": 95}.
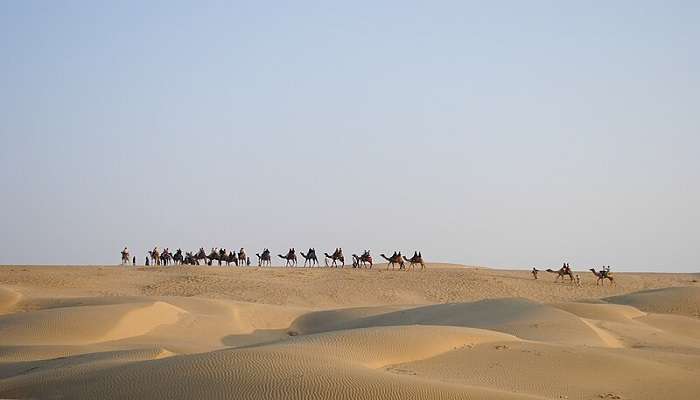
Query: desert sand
{"x": 450, "y": 332}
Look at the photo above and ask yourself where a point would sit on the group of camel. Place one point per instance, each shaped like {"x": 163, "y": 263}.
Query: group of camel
{"x": 221, "y": 256}
{"x": 166, "y": 257}
{"x": 337, "y": 259}
{"x": 362, "y": 261}
{"x": 565, "y": 271}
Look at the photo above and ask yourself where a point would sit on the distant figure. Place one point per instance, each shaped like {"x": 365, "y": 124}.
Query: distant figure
{"x": 567, "y": 269}
{"x": 147, "y": 264}
{"x": 125, "y": 256}
{"x": 247, "y": 261}
{"x": 578, "y": 280}
{"x": 133, "y": 261}
{"x": 534, "y": 272}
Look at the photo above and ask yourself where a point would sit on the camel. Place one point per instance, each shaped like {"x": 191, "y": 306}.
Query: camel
{"x": 602, "y": 276}
{"x": 362, "y": 260}
{"x": 177, "y": 257}
{"x": 190, "y": 259}
{"x": 396, "y": 258}
{"x": 155, "y": 256}
{"x": 201, "y": 255}
{"x": 231, "y": 258}
{"x": 562, "y": 272}
{"x": 242, "y": 257}
{"x": 416, "y": 259}
{"x": 366, "y": 258}
{"x": 310, "y": 257}
{"x": 223, "y": 256}
{"x": 216, "y": 255}
{"x": 335, "y": 257}
{"x": 125, "y": 256}
{"x": 264, "y": 258}
{"x": 291, "y": 258}
{"x": 166, "y": 258}
{"x": 213, "y": 255}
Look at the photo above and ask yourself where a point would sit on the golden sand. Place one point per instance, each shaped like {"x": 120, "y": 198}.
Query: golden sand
{"x": 449, "y": 332}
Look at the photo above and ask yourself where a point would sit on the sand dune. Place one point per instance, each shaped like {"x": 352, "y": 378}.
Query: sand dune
{"x": 519, "y": 317}
{"x": 202, "y": 333}
{"x": 8, "y": 299}
{"x": 376, "y": 347}
{"x": 605, "y": 312}
{"x": 558, "y": 371}
{"x": 85, "y": 324}
{"x": 677, "y": 300}
{"x": 257, "y": 373}
{"x": 675, "y": 324}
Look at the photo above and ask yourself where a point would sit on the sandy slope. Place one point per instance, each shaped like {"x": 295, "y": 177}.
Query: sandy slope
{"x": 447, "y": 333}
{"x": 681, "y": 300}
{"x": 8, "y": 299}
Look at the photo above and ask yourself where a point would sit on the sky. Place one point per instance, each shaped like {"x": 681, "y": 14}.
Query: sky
{"x": 503, "y": 133}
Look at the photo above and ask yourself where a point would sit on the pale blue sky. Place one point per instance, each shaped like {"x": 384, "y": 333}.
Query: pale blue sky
{"x": 493, "y": 133}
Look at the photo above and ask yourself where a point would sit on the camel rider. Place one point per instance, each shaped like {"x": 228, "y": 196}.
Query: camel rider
{"x": 125, "y": 251}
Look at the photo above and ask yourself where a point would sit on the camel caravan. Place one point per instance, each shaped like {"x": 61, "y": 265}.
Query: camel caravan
{"x": 566, "y": 272}
{"x": 223, "y": 257}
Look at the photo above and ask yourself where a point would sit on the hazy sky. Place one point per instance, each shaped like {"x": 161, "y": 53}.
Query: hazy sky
{"x": 493, "y": 133}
